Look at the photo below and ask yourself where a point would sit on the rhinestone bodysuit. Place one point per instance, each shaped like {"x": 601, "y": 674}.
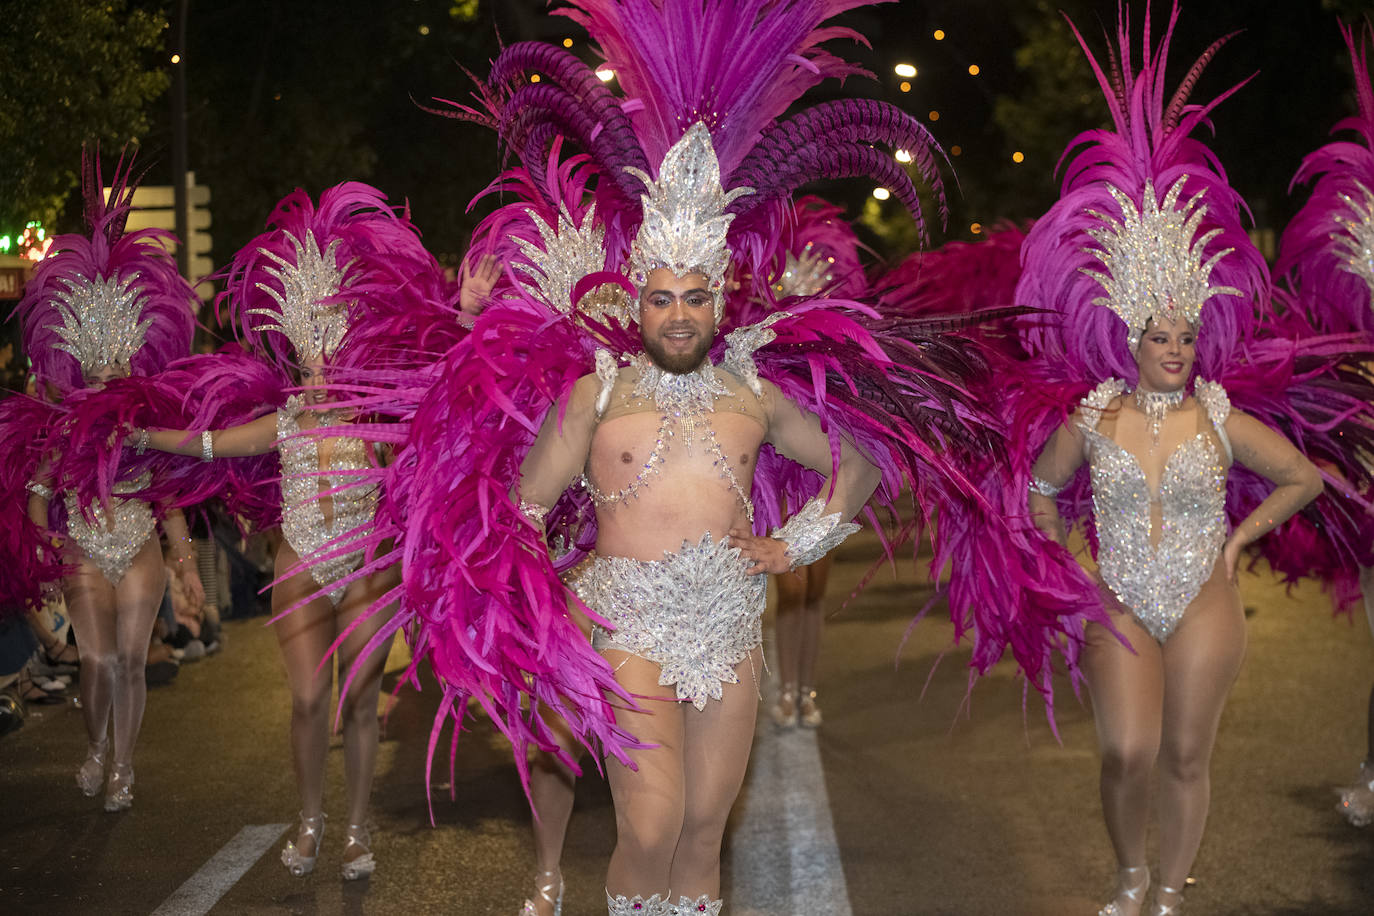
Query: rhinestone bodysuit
{"x": 1157, "y": 583}
{"x": 696, "y": 613}
{"x": 302, "y": 518}
{"x": 113, "y": 548}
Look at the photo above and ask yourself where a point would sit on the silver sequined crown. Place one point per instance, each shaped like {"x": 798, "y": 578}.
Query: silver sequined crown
{"x": 100, "y": 320}
{"x": 1152, "y": 259}
{"x": 685, "y": 221}
{"x": 307, "y": 311}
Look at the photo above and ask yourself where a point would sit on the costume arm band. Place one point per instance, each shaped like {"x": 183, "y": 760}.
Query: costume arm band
{"x": 533, "y": 511}
{"x": 1044, "y": 487}
{"x": 809, "y": 535}
{"x": 38, "y": 489}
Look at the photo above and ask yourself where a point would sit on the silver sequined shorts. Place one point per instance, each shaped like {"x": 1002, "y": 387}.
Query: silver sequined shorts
{"x": 695, "y": 613}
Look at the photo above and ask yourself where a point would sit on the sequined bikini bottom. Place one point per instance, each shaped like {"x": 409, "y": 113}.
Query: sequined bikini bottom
{"x": 695, "y": 613}
{"x": 112, "y": 549}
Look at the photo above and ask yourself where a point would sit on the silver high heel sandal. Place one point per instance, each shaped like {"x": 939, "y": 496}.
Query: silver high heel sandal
{"x": 364, "y": 865}
{"x": 1357, "y": 801}
{"x": 545, "y": 883}
{"x": 784, "y": 711}
{"x": 92, "y": 772}
{"x": 119, "y": 794}
{"x": 302, "y": 865}
{"x": 1131, "y": 884}
{"x": 1174, "y": 906}
{"x": 808, "y": 712}
{"x": 702, "y": 906}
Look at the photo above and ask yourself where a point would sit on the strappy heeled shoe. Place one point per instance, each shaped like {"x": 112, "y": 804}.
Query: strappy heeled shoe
{"x": 119, "y": 792}
{"x": 808, "y": 713}
{"x": 365, "y": 864}
{"x": 1168, "y": 902}
{"x": 545, "y": 883}
{"x": 92, "y": 772}
{"x": 784, "y": 711}
{"x": 1357, "y": 801}
{"x": 1131, "y": 884}
{"x": 296, "y": 863}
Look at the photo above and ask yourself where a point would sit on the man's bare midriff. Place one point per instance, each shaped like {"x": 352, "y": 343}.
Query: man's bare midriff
{"x": 689, "y": 495}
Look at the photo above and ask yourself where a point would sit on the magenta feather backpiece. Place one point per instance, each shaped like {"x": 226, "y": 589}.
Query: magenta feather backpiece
{"x": 165, "y": 300}
{"x": 1151, "y": 139}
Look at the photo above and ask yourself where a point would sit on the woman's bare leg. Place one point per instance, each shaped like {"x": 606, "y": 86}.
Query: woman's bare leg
{"x": 1127, "y": 694}
{"x": 649, "y": 801}
{"x": 1201, "y": 661}
{"x": 359, "y": 702}
{"x": 91, "y": 604}
{"x": 137, "y": 597}
{"x": 304, "y": 636}
{"x": 716, "y": 745}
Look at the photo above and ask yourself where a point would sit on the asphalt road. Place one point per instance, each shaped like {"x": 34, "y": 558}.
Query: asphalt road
{"x": 900, "y": 804}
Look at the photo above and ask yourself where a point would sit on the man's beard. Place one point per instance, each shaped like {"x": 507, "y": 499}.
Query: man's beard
{"x": 678, "y": 365}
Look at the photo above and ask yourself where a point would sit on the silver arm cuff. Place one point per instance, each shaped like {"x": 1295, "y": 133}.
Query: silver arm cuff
{"x": 207, "y": 446}
{"x": 809, "y": 535}
{"x": 533, "y": 511}
{"x": 38, "y": 489}
{"x": 1044, "y": 488}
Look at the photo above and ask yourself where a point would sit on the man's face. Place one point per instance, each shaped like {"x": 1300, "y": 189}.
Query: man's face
{"x": 677, "y": 320}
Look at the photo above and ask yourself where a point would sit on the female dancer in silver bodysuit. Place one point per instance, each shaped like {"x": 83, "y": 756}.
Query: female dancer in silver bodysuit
{"x": 1159, "y": 450}
{"x": 307, "y": 277}
{"x": 102, "y": 307}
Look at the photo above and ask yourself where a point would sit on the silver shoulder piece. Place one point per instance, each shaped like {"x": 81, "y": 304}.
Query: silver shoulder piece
{"x": 742, "y": 343}
{"x": 607, "y": 369}
{"x": 809, "y": 535}
{"x": 1214, "y": 400}
{"x": 1098, "y": 399}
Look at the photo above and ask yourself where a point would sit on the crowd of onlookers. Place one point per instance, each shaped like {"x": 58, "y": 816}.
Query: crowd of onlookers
{"x": 40, "y": 654}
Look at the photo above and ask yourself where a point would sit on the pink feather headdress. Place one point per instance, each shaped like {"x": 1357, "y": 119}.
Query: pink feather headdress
{"x": 1325, "y": 259}
{"x": 107, "y": 298}
{"x": 1146, "y": 224}
{"x": 733, "y": 65}
{"x": 293, "y": 291}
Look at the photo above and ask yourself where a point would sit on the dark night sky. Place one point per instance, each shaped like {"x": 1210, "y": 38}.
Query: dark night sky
{"x": 361, "y": 73}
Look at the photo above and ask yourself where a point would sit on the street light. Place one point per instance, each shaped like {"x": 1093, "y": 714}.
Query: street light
{"x": 906, "y": 71}
{"x": 605, "y": 74}
{"x": 882, "y": 193}
{"x": 903, "y": 156}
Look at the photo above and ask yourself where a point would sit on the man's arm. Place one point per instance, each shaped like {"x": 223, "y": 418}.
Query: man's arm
{"x": 821, "y": 523}
{"x": 559, "y": 452}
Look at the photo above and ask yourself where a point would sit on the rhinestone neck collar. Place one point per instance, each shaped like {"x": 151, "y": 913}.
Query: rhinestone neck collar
{"x": 690, "y": 393}
{"x": 1155, "y": 405}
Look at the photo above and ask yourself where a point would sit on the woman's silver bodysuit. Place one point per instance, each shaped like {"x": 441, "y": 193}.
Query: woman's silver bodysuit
{"x": 1157, "y": 583}
{"x": 302, "y": 518}
{"x": 113, "y": 548}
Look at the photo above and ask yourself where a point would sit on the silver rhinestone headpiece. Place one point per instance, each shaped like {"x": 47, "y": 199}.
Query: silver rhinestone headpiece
{"x": 568, "y": 254}
{"x": 1355, "y": 245}
{"x": 684, "y": 215}
{"x": 307, "y": 312}
{"x": 1152, "y": 260}
{"x": 100, "y": 319}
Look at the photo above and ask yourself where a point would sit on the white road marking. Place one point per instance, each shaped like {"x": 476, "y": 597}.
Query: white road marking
{"x": 784, "y": 857}
{"x": 203, "y": 889}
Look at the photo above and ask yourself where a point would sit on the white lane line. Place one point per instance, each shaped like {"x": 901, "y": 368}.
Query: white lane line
{"x": 784, "y": 857}
{"x": 203, "y": 889}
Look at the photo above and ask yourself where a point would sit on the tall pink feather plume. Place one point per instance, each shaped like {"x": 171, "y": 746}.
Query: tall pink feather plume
{"x": 28, "y": 433}
{"x": 1147, "y": 142}
{"x": 108, "y": 251}
{"x": 736, "y": 64}
{"x": 1313, "y": 267}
